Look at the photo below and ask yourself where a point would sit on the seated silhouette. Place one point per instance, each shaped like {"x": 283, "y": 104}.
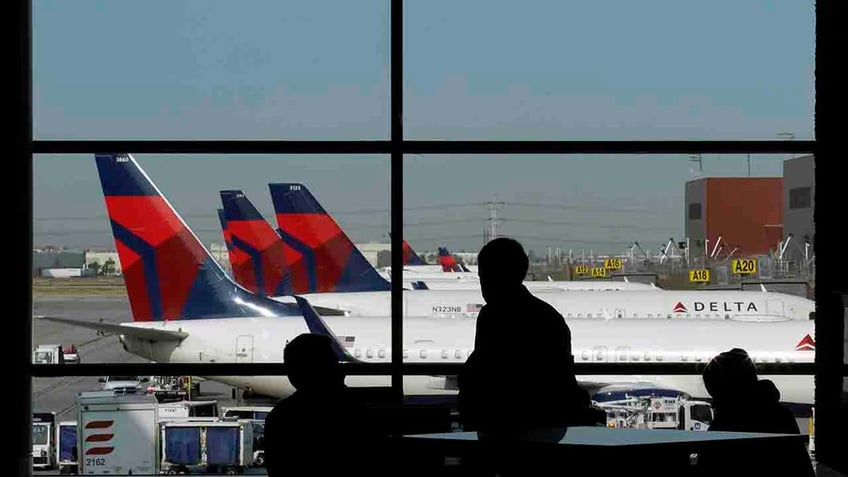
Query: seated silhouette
{"x": 521, "y": 373}
{"x": 322, "y": 427}
{"x": 743, "y": 403}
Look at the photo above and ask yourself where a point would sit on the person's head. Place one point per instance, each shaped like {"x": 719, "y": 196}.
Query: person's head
{"x": 502, "y": 265}
{"x": 730, "y": 376}
{"x": 312, "y": 363}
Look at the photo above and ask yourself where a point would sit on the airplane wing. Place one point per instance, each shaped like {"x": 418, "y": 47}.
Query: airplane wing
{"x": 119, "y": 329}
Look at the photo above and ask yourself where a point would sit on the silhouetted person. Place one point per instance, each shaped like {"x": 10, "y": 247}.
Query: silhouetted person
{"x": 521, "y": 373}
{"x": 743, "y": 403}
{"x": 322, "y": 427}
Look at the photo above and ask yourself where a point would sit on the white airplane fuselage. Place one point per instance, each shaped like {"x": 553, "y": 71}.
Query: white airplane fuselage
{"x": 624, "y": 304}
{"x": 441, "y": 340}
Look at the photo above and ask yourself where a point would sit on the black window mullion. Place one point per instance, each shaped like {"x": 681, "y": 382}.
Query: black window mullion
{"x": 19, "y": 327}
{"x": 396, "y": 29}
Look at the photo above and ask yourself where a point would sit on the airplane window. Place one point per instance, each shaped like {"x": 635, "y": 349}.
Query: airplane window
{"x": 668, "y": 315}
{"x": 568, "y": 315}
{"x": 381, "y": 353}
{"x": 650, "y": 315}
{"x": 584, "y": 355}
{"x": 659, "y": 357}
{"x": 683, "y": 357}
{"x": 580, "y": 315}
{"x": 423, "y": 354}
{"x": 647, "y": 356}
{"x": 444, "y": 354}
{"x": 634, "y": 357}
{"x": 369, "y": 353}
{"x": 405, "y": 353}
{"x": 357, "y": 353}
{"x": 588, "y": 315}
{"x": 635, "y": 315}
{"x": 457, "y": 354}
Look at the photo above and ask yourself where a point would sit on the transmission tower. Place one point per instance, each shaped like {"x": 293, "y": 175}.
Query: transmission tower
{"x": 491, "y": 231}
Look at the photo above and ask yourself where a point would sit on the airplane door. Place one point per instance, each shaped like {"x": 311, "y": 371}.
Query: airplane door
{"x": 244, "y": 349}
{"x": 774, "y": 307}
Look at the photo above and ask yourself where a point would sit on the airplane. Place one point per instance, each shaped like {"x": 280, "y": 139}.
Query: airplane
{"x": 187, "y": 310}
{"x": 259, "y": 247}
{"x": 410, "y": 257}
{"x": 299, "y": 212}
{"x": 300, "y": 215}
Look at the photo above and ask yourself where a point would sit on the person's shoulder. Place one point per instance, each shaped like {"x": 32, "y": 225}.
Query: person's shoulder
{"x": 546, "y": 310}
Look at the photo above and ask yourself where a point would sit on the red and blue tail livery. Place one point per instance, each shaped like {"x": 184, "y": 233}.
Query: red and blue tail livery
{"x": 410, "y": 257}
{"x": 317, "y": 251}
{"x": 448, "y": 261}
{"x": 226, "y": 233}
{"x": 169, "y": 274}
{"x": 256, "y": 255}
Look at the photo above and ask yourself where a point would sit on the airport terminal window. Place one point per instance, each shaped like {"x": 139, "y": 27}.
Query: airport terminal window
{"x": 400, "y": 147}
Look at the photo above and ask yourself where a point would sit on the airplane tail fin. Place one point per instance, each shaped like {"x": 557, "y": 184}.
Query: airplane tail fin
{"x": 226, "y": 233}
{"x": 410, "y": 257}
{"x": 168, "y": 273}
{"x": 317, "y": 250}
{"x": 256, "y": 256}
{"x": 447, "y": 261}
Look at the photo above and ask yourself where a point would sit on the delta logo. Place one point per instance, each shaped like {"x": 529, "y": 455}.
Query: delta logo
{"x": 726, "y": 306}
{"x": 806, "y": 344}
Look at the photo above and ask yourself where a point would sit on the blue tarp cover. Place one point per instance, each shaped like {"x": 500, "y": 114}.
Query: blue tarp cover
{"x": 222, "y": 445}
{"x": 182, "y": 445}
{"x": 67, "y": 443}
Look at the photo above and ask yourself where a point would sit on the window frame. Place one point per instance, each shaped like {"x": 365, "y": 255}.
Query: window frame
{"x": 831, "y": 290}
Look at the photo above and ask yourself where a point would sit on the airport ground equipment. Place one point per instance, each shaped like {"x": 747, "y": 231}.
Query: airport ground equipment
{"x": 117, "y": 433}
{"x": 66, "y": 447}
{"x": 48, "y": 354}
{"x": 223, "y": 447}
{"x": 183, "y": 410}
{"x": 658, "y": 412}
{"x": 44, "y": 440}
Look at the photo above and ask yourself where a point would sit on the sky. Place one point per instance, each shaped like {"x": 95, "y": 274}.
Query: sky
{"x": 473, "y": 70}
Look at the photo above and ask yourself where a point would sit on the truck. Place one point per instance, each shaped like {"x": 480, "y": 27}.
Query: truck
{"x": 66, "y": 447}
{"x": 222, "y": 447}
{"x": 117, "y": 433}
{"x": 70, "y": 353}
{"x": 658, "y": 412}
{"x": 44, "y": 440}
{"x": 167, "y": 388}
{"x": 187, "y": 409}
{"x": 125, "y": 384}
{"x": 48, "y": 354}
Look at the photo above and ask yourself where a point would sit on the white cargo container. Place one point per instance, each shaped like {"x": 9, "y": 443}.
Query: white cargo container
{"x": 117, "y": 433}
